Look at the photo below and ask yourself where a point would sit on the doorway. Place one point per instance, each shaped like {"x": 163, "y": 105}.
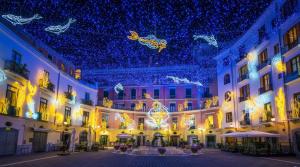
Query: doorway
{"x": 174, "y": 140}
{"x": 103, "y": 140}
{"x": 210, "y": 141}
{"x": 39, "y": 143}
{"x": 140, "y": 140}
{"x": 8, "y": 141}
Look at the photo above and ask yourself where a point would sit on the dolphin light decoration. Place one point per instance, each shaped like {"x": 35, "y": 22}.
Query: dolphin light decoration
{"x": 60, "y": 28}
{"x": 118, "y": 88}
{"x": 184, "y": 80}
{"x": 210, "y": 39}
{"x": 15, "y": 20}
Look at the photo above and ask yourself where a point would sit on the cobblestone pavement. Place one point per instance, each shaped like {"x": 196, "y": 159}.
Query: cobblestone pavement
{"x": 209, "y": 158}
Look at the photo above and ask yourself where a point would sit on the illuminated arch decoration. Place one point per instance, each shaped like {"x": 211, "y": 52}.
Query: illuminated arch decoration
{"x": 211, "y": 40}
{"x": 119, "y": 87}
{"x": 19, "y": 20}
{"x": 60, "y": 28}
{"x": 125, "y": 119}
{"x": 2, "y": 76}
{"x": 158, "y": 115}
{"x": 150, "y": 41}
{"x": 31, "y": 113}
{"x": 178, "y": 80}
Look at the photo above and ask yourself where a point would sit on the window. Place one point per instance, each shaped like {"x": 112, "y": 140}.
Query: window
{"x": 87, "y": 96}
{"x": 69, "y": 89}
{"x": 43, "y": 109}
{"x": 288, "y": 8}
{"x": 105, "y": 118}
{"x": 190, "y": 106}
{"x": 156, "y": 93}
{"x": 133, "y": 93}
{"x": 228, "y": 117}
{"x": 291, "y": 37}
{"x": 265, "y": 82}
{"x": 276, "y": 49}
{"x": 172, "y": 93}
{"x": 263, "y": 57}
{"x": 246, "y": 117}
{"x": 85, "y": 118}
{"x": 244, "y": 92}
{"x": 16, "y": 57}
{"x": 132, "y": 106}
{"x": 11, "y": 95}
{"x": 67, "y": 116}
{"x": 261, "y": 33}
{"x": 295, "y": 64}
{"x": 227, "y": 96}
{"x": 243, "y": 72}
{"x": 188, "y": 93}
{"x": 192, "y": 122}
{"x": 174, "y": 123}
{"x": 226, "y": 61}
{"x": 121, "y": 94}
{"x": 226, "y": 79}
{"x": 105, "y": 93}
{"x": 144, "y": 107}
{"x": 172, "y": 107}
{"x": 144, "y": 91}
{"x": 141, "y": 122}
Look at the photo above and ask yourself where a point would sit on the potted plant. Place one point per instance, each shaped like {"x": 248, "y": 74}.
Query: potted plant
{"x": 161, "y": 150}
{"x": 117, "y": 146}
{"x": 123, "y": 148}
{"x": 194, "y": 148}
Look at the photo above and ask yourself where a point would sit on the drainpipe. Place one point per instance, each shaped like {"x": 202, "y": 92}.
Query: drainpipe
{"x": 56, "y": 98}
{"x": 234, "y": 96}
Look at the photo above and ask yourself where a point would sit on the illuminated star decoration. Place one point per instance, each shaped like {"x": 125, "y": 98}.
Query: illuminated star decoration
{"x": 118, "y": 88}
{"x": 15, "y": 20}
{"x": 184, "y": 80}
{"x": 150, "y": 41}
{"x": 59, "y": 28}
{"x": 2, "y": 76}
{"x": 210, "y": 39}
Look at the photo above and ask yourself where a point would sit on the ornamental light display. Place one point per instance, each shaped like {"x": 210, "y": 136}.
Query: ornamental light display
{"x": 151, "y": 41}
{"x": 211, "y": 40}
{"x": 2, "y": 76}
{"x": 118, "y": 88}
{"x": 19, "y": 20}
{"x": 178, "y": 80}
{"x": 31, "y": 113}
{"x": 60, "y": 28}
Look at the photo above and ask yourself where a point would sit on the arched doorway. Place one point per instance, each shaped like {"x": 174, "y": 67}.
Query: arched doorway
{"x": 8, "y": 141}
{"x": 83, "y": 137}
{"x": 158, "y": 140}
{"x": 192, "y": 139}
{"x": 210, "y": 141}
{"x": 141, "y": 139}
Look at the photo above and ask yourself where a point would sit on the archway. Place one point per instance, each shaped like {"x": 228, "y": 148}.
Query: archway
{"x": 158, "y": 140}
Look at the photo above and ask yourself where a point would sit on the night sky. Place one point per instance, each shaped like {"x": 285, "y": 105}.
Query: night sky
{"x": 99, "y": 37}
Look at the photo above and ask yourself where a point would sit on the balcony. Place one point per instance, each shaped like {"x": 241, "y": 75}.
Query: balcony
{"x": 263, "y": 64}
{"x": 264, "y": 89}
{"x": 10, "y": 111}
{"x": 87, "y": 102}
{"x": 290, "y": 46}
{"x": 243, "y": 77}
{"x": 69, "y": 95}
{"x": 20, "y": 69}
{"x": 267, "y": 117}
{"x": 50, "y": 86}
{"x": 241, "y": 99}
{"x": 245, "y": 122}
{"x": 292, "y": 76}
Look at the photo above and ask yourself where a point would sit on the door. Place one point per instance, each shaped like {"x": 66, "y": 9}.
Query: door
{"x": 39, "y": 143}
{"x": 211, "y": 141}
{"x": 140, "y": 140}
{"x": 174, "y": 140}
{"x": 103, "y": 140}
{"x": 8, "y": 141}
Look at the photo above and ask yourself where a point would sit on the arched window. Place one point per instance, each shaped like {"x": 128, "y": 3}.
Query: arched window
{"x": 226, "y": 79}
{"x": 228, "y": 96}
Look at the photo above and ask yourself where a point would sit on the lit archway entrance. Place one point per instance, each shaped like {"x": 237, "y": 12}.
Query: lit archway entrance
{"x": 158, "y": 140}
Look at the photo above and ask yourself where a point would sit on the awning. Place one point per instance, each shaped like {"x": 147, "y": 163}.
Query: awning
{"x": 251, "y": 134}
{"x": 124, "y": 135}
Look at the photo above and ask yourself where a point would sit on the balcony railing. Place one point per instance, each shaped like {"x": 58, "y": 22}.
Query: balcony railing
{"x": 11, "y": 111}
{"x": 245, "y": 122}
{"x": 264, "y": 89}
{"x": 263, "y": 64}
{"x": 292, "y": 76}
{"x": 241, "y": 99}
{"x": 87, "y": 102}
{"x": 50, "y": 86}
{"x": 290, "y": 46}
{"x": 20, "y": 69}
{"x": 243, "y": 77}
{"x": 69, "y": 95}
{"x": 267, "y": 118}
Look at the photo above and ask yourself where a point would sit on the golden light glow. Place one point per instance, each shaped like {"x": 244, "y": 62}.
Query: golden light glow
{"x": 209, "y": 122}
{"x": 280, "y": 104}
{"x": 295, "y": 106}
{"x": 220, "y": 118}
{"x": 139, "y": 106}
{"x": 208, "y": 103}
{"x": 43, "y": 79}
{"x": 215, "y": 100}
{"x": 107, "y": 103}
{"x": 4, "y": 106}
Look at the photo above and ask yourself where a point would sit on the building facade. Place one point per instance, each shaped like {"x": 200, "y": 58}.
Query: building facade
{"x": 42, "y": 105}
{"x": 259, "y": 79}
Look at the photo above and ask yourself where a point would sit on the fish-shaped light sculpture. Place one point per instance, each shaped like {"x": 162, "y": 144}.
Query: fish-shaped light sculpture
{"x": 15, "y": 20}
{"x": 150, "y": 41}
{"x": 184, "y": 80}
{"x": 211, "y": 40}
{"x": 60, "y": 28}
